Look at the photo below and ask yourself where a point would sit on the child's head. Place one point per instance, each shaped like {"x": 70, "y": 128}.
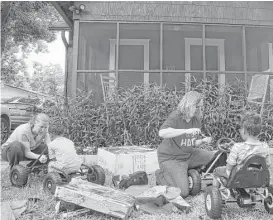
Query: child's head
{"x": 56, "y": 129}
{"x": 251, "y": 125}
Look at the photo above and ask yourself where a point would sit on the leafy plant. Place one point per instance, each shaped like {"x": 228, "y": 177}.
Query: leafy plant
{"x": 133, "y": 116}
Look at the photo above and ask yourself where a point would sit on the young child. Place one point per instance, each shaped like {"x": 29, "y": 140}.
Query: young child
{"x": 62, "y": 152}
{"x": 251, "y": 124}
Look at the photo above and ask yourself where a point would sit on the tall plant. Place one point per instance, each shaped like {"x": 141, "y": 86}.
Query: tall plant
{"x": 134, "y": 115}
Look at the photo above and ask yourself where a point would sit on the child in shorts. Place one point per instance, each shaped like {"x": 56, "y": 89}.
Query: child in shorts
{"x": 62, "y": 152}
{"x": 251, "y": 124}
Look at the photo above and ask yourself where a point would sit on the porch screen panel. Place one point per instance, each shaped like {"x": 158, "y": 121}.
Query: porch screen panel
{"x": 129, "y": 79}
{"x": 232, "y": 78}
{"x": 257, "y": 48}
{"x": 154, "y": 78}
{"x": 175, "y": 51}
{"x": 148, "y": 34}
{"x": 90, "y": 82}
{"x": 231, "y": 39}
{"x": 94, "y": 45}
{"x": 174, "y": 80}
{"x": 131, "y": 58}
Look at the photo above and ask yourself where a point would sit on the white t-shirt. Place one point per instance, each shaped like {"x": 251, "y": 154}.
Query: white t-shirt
{"x": 65, "y": 153}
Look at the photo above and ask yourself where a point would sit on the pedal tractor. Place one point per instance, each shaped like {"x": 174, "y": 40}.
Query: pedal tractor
{"x": 247, "y": 185}
{"x": 94, "y": 174}
{"x": 197, "y": 175}
{"x": 19, "y": 174}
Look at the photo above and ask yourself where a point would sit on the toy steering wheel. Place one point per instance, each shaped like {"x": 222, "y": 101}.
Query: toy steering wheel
{"x": 224, "y": 144}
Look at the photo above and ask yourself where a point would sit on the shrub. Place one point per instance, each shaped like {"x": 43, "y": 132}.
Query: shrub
{"x": 134, "y": 115}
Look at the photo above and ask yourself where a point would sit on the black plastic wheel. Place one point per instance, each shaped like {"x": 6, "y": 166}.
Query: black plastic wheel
{"x": 268, "y": 203}
{"x": 96, "y": 174}
{"x": 5, "y": 130}
{"x": 213, "y": 202}
{"x": 194, "y": 182}
{"x": 19, "y": 175}
{"x": 52, "y": 179}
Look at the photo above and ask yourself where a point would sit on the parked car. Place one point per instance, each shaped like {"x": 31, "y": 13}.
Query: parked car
{"x": 18, "y": 110}
{"x": 5, "y": 123}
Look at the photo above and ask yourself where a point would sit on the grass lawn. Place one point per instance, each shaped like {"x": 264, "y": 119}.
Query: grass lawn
{"x": 45, "y": 208}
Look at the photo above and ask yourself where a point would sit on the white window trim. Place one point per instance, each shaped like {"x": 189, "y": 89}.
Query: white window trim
{"x": 136, "y": 42}
{"x": 220, "y": 43}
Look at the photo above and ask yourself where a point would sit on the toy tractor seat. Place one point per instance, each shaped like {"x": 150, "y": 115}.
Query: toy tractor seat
{"x": 252, "y": 173}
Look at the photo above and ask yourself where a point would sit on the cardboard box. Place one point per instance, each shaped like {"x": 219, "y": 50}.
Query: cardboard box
{"x": 126, "y": 160}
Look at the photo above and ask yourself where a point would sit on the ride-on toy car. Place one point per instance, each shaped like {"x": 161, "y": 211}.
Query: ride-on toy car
{"x": 247, "y": 185}
{"x": 197, "y": 175}
{"x": 19, "y": 174}
{"x": 94, "y": 174}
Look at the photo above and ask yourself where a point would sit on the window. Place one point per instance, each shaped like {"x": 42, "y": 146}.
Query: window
{"x": 257, "y": 48}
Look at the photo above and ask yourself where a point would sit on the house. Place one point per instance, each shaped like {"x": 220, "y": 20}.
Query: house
{"x": 167, "y": 42}
{"x": 9, "y": 91}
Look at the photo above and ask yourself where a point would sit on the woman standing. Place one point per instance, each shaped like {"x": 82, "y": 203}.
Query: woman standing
{"x": 27, "y": 141}
{"x": 177, "y": 153}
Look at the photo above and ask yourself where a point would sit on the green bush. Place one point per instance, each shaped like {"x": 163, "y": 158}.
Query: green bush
{"x": 134, "y": 115}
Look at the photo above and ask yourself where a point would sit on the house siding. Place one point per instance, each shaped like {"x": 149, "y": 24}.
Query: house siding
{"x": 249, "y": 13}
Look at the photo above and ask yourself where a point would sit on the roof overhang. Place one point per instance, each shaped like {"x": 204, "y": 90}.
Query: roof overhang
{"x": 63, "y": 26}
{"x": 63, "y": 8}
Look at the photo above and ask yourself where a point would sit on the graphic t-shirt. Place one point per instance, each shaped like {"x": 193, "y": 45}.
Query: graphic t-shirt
{"x": 178, "y": 148}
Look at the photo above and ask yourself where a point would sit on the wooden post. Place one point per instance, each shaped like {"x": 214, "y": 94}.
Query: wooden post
{"x": 75, "y": 58}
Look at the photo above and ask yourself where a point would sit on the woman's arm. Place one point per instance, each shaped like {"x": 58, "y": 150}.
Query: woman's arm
{"x": 172, "y": 132}
{"x": 28, "y": 153}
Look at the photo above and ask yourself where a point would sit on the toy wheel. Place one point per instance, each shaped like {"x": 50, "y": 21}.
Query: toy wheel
{"x": 268, "y": 203}
{"x": 194, "y": 182}
{"x": 224, "y": 144}
{"x": 51, "y": 181}
{"x": 96, "y": 174}
{"x": 213, "y": 202}
{"x": 19, "y": 175}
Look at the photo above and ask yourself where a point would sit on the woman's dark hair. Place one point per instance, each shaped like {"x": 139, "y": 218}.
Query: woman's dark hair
{"x": 252, "y": 123}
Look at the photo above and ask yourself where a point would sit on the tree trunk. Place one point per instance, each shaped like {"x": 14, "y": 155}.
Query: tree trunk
{"x": 5, "y": 10}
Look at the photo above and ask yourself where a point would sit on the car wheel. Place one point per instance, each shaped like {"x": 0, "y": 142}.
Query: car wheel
{"x": 4, "y": 130}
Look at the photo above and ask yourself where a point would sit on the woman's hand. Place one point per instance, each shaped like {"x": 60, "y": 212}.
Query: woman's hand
{"x": 207, "y": 140}
{"x": 43, "y": 159}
